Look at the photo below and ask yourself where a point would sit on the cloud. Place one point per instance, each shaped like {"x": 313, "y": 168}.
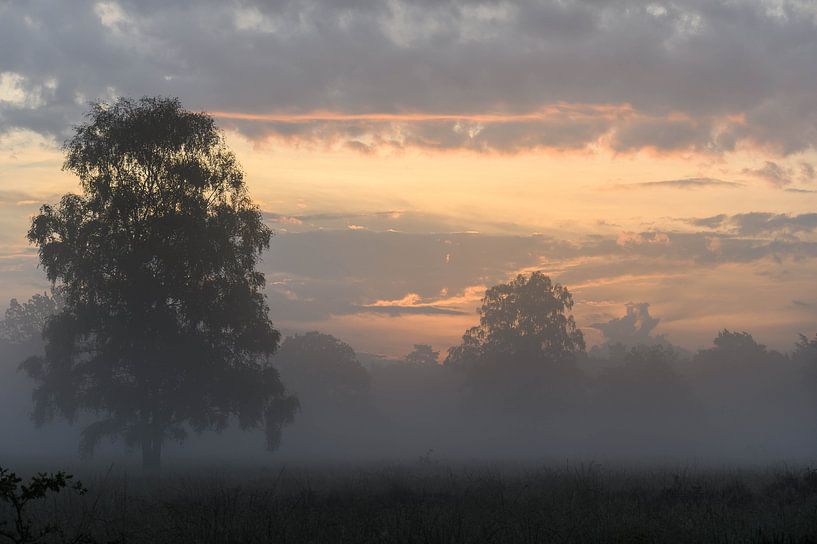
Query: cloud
{"x": 760, "y": 223}
{"x": 561, "y": 126}
{"x": 712, "y": 222}
{"x": 23, "y": 199}
{"x": 316, "y": 274}
{"x": 635, "y": 327}
{"x": 321, "y": 277}
{"x": 663, "y": 134}
{"x": 628, "y": 239}
{"x": 384, "y": 221}
{"x": 412, "y": 303}
{"x": 684, "y": 183}
{"x": 417, "y": 310}
{"x": 807, "y": 172}
{"x": 461, "y": 74}
{"x": 773, "y": 173}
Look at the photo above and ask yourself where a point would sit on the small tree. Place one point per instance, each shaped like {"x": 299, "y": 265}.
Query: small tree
{"x": 27, "y": 528}
{"x": 164, "y": 327}
{"x": 423, "y": 354}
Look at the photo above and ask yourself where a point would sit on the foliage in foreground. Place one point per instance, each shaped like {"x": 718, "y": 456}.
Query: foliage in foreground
{"x": 19, "y": 498}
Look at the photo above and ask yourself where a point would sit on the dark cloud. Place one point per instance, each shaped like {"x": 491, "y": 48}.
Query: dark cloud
{"x": 764, "y": 223}
{"x": 760, "y": 223}
{"x": 633, "y": 328}
{"x": 682, "y": 75}
{"x": 662, "y": 134}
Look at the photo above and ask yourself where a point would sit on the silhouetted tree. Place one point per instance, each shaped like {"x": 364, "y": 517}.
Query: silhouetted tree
{"x": 323, "y": 371}
{"x": 26, "y": 527}
{"x": 525, "y": 319}
{"x": 164, "y": 327}
{"x": 736, "y": 345}
{"x": 522, "y": 354}
{"x": 423, "y": 354}
{"x": 733, "y": 351}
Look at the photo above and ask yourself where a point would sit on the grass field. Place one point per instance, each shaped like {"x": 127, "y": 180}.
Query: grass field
{"x": 433, "y": 502}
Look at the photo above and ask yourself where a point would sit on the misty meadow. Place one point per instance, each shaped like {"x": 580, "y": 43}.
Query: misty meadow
{"x": 408, "y": 271}
{"x": 156, "y": 329}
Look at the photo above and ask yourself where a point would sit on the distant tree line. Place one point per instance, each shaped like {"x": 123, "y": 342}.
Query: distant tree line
{"x": 523, "y": 375}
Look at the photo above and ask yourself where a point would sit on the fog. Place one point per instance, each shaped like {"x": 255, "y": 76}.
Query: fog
{"x": 157, "y": 336}
{"x": 736, "y": 402}
{"x": 533, "y": 271}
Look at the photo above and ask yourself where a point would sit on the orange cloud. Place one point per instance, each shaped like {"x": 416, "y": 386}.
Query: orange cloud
{"x": 559, "y": 127}
{"x": 571, "y": 111}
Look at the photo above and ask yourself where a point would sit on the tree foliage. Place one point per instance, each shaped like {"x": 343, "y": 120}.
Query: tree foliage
{"x": 27, "y": 528}
{"x": 164, "y": 327}
{"x": 523, "y": 320}
{"x": 733, "y": 349}
{"x": 520, "y": 359}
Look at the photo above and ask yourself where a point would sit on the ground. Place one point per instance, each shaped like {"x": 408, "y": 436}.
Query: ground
{"x": 430, "y": 501}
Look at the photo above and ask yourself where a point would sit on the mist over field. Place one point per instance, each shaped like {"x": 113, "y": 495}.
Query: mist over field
{"x": 736, "y": 403}
{"x": 408, "y": 271}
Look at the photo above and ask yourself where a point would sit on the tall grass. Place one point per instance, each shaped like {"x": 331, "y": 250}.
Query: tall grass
{"x": 435, "y": 502}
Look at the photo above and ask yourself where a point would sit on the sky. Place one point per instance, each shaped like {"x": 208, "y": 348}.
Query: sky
{"x": 659, "y": 159}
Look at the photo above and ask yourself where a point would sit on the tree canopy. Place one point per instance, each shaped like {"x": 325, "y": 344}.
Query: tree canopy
{"x": 733, "y": 349}
{"x": 164, "y": 327}
{"x": 525, "y": 319}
